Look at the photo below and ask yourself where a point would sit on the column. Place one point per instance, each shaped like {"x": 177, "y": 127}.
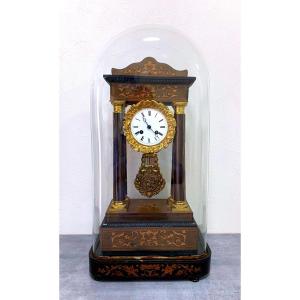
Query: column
{"x": 119, "y": 159}
{"x": 178, "y": 197}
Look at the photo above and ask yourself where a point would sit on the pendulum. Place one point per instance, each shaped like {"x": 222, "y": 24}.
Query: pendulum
{"x": 149, "y": 181}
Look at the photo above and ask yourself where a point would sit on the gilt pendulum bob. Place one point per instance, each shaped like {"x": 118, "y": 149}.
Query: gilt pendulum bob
{"x": 149, "y": 238}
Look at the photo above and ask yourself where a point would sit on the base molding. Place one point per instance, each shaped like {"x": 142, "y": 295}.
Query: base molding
{"x": 189, "y": 267}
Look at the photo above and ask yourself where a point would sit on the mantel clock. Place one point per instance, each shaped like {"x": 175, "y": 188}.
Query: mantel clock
{"x": 146, "y": 224}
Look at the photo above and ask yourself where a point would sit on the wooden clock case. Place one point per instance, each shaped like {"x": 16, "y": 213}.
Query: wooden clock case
{"x": 149, "y": 238}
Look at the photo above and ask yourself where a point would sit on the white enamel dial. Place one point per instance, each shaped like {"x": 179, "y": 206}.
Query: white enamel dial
{"x": 149, "y": 126}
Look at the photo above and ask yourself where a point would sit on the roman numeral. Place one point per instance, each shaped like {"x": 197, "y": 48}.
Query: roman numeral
{"x": 135, "y": 126}
{"x": 161, "y": 120}
{"x": 142, "y": 138}
{"x": 162, "y": 126}
{"x": 155, "y": 115}
{"x": 149, "y": 113}
{"x": 137, "y": 119}
{"x": 148, "y": 140}
{"x": 143, "y": 115}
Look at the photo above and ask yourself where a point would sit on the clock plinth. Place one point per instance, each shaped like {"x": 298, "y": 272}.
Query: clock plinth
{"x": 177, "y": 267}
{"x": 149, "y": 225}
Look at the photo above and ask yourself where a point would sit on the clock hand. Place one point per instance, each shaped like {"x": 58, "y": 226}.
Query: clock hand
{"x": 148, "y": 126}
{"x": 144, "y": 119}
{"x": 157, "y": 132}
{"x": 140, "y": 131}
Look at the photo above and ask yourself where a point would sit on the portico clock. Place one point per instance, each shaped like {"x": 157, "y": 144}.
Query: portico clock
{"x": 147, "y": 227}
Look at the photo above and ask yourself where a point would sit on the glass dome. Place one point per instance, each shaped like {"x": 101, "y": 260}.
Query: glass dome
{"x": 150, "y": 179}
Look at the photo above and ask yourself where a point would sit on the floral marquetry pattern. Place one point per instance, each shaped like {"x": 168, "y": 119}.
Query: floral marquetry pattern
{"x": 154, "y": 267}
{"x": 156, "y": 238}
{"x": 135, "y": 92}
{"x": 149, "y": 270}
{"x": 149, "y": 238}
{"x": 149, "y": 66}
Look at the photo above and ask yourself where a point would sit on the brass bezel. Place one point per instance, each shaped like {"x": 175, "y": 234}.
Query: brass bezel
{"x": 170, "y": 120}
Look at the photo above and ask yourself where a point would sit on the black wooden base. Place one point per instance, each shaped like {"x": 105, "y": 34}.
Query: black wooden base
{"x": 190, "y": 267}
